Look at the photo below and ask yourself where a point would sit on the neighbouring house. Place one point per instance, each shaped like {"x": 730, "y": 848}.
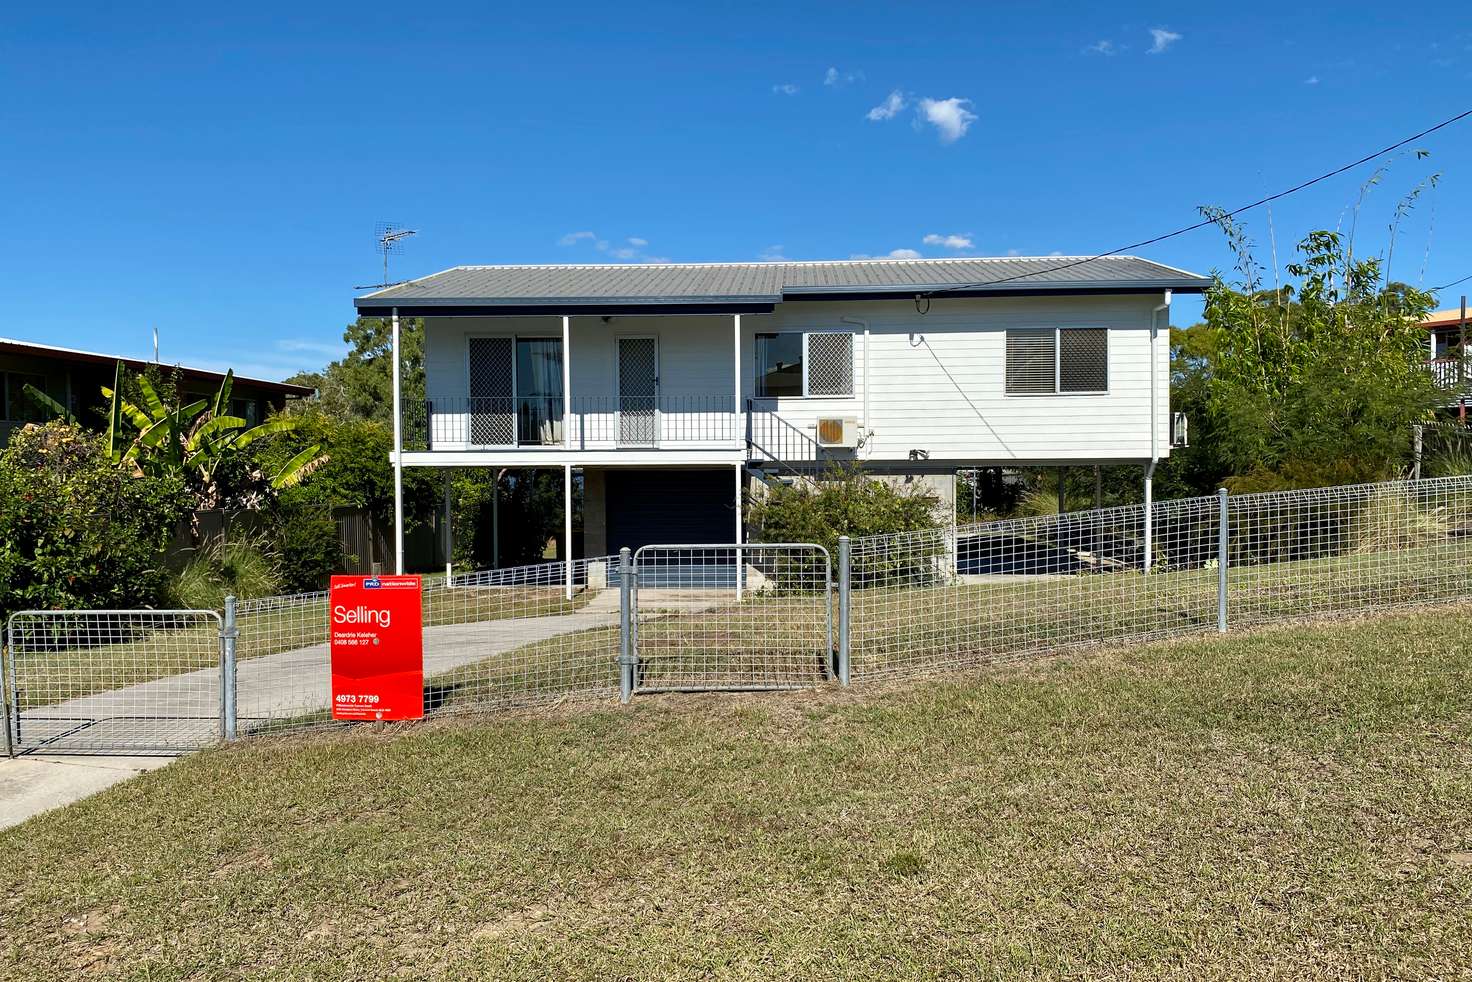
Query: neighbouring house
{"x": 75, "y": 379}
{"x": 1448, "y": 332}
{"x": 672, "y": 387}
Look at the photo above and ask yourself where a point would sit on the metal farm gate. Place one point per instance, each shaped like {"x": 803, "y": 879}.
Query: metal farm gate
{"x": 114, "y": 681}
{"x": 729, "y": 617}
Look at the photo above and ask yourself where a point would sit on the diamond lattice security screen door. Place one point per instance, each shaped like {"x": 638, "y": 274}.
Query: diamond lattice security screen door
{"x": 638, "y": 391}
{"x": 492, "y": 393}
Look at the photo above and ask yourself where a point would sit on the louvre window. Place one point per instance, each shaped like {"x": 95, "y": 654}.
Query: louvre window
{"x": 1053, "y": 360}
{"x": 818, "y": 364}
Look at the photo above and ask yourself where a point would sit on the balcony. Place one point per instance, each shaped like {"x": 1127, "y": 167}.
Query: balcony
{"x": 596, "y": 423}
{"x": 1454, "y": 374}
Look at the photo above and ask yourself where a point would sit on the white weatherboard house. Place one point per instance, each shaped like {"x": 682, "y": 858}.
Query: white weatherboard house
{"x": 671, "y": 386}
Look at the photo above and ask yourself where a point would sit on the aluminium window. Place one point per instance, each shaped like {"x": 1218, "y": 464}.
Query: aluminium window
{"x": 816, "y": 364}
{"x": 1049, "y": 361}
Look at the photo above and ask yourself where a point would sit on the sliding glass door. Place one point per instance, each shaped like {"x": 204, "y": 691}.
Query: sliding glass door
{"x": 515, "y": 391}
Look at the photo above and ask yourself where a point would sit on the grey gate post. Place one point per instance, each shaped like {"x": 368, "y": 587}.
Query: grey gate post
{"x": 1221, "y": 560}
{"x": 1417, "y": 444}
{"x": 229, "y": 634}
{"x": 843, "y": 609}
{"x": 626, "y": 660}
{"x": 7, "y": 679}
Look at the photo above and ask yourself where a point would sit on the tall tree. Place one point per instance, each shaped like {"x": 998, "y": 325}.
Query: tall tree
{"x": 360, "y": 384}
{"x": 1317, "y": 381}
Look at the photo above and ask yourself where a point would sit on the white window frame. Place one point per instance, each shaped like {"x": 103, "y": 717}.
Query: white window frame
{"x": 1058, "y": 362}
{"x": 807, "y": 393}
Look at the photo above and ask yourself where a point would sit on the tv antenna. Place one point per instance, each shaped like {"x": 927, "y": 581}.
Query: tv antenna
{"x": 390, "y": 238}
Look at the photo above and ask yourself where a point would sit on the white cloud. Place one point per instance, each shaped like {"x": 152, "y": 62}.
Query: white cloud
{"x": 952, "y": 241}
{"x": 949, "y": 116}
{"x": 771, "y": 254}
{"x": 889, "y": 108}
{"x": 632, "y": 250}
{"x": 1311, "y": 80}
{"x": 1105, "y": 47}
{"x": 834, "y": 78}
{"x": 785, "y": 88}
{"x": 1014, "y": 252}
{"x": 891, "y": 254}
{"x": 1162, "y": 39}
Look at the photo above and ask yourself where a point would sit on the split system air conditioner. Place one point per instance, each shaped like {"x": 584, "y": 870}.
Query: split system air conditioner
{"x": 838, "y": 432}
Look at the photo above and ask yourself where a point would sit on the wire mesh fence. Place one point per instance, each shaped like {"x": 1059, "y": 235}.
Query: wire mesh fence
{"x": 754, "y": 616}
{"x": 113, "y": 681}
{"x": 491, "y": 637}
{"x": 729, "y": 617}
{"x": 941, "y": 599}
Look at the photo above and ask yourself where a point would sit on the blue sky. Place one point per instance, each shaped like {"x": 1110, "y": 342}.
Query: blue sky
{"x": 218, "y": 173}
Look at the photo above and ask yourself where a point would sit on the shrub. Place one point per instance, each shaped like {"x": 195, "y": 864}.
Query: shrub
{"x": 75, "y": 529}
{"x": 846, "y": 502}
{"x": 307, "y": 548}
{"x": 843, "y": 502}
{"x": 244, "y": 567}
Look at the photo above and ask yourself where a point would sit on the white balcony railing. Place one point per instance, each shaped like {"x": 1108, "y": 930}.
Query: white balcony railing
{"x": 595, "y": 423}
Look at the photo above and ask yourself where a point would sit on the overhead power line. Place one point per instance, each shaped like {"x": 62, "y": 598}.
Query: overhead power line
{"x": 1452, "y": 283}
{"x": 1213, "y": 221}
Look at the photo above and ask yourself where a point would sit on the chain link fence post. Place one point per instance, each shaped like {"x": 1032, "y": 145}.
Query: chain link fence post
{"x": 1221, "y": 560}
{"x": 843, "y": 609}
{"x": 625, "y": 626}
{"x": 1418, "y": 437}
{"x": 229, "y": 633}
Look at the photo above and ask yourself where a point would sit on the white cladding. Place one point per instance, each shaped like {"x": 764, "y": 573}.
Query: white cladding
{"x": 936, "y": 381}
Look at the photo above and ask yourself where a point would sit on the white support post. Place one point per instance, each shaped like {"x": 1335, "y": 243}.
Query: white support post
{"x": 566, "y": 382}
{"x": 1149, "y": 515}
{"x": 738, "y": 435}
{"x": 398, "y": 455}
{"x": 449, "y": 537}
{"x": 739, "y": 529}
{"x": 567, "y": 523}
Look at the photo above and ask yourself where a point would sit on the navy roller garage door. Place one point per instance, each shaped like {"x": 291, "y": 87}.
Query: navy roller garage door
{"x": 669, "y": 506}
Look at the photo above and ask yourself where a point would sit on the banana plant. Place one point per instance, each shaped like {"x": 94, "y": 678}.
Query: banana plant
{"x": 190, "y": 441}
{"x": 195, "y": 439}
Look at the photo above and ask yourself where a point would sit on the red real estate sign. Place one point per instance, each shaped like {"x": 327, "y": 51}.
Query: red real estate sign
{"x": 377, "y": 647}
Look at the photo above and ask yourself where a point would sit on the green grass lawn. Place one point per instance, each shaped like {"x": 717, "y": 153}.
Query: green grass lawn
{"x": 1290, "y": 803}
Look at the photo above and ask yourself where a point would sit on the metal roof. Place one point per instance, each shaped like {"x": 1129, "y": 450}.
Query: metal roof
{"x": 34, "y": 349}
{"x": 766, "y": 283}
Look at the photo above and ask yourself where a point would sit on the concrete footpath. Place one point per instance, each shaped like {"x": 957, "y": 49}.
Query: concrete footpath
{"x": 33, "y": 784}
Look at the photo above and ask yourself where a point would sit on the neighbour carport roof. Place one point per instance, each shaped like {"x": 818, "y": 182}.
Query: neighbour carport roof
{"x": 465, "y": 289}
